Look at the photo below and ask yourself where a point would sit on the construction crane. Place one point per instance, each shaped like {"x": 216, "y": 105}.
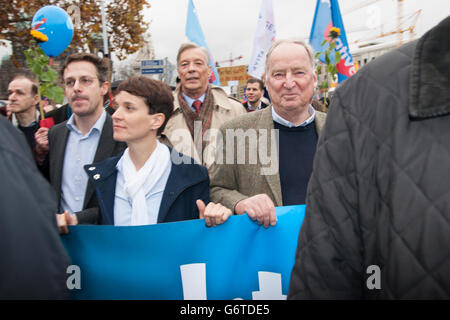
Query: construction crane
{"x": 230, "y": 61}
{"x": 359, "y": 6}
{"x": 400, "y": 30}
{"x": 400, "y": 22}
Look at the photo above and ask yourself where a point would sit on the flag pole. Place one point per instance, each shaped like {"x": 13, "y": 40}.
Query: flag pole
{"x": 105, "y": 48}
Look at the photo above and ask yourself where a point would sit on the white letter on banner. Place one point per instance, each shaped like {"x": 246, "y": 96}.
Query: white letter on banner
{"x": 193, "y": 279}
{"x": 269, "y": 287}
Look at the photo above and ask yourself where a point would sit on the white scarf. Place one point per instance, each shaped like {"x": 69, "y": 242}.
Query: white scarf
{"x": 139, "y": 183}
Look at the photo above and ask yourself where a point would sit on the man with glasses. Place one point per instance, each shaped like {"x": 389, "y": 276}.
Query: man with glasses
{"x": 86, "y": 137}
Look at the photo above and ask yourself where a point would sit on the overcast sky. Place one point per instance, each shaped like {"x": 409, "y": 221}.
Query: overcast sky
{"x": 229, "y": 25}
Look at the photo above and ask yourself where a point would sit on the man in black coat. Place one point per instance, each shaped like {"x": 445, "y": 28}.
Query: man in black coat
{"x": 377, "y": 222}
{"x": 33, "y": 261}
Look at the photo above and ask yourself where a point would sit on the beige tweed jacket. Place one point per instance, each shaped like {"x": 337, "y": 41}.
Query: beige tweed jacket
{"x": 246, "y": 166}
{"x": 176, "y": 134}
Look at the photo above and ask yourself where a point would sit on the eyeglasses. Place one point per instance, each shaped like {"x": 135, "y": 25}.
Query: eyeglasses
{"x": 84, "y": 82}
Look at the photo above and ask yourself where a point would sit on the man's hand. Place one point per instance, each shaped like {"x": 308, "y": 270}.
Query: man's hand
{"x": 214, "y": 213}
{"x": 41, "y": 137}
{"x": 64, "y": 220}
{"x": 259, "y": 208}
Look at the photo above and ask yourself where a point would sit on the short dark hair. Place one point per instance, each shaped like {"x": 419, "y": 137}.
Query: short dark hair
{"x": 115, "y": 84}
{"x": 27, "y": 74}
{"x": 99, "y": 63}
{"x": 157, "y": 95}
{"x": 254, "y": 80}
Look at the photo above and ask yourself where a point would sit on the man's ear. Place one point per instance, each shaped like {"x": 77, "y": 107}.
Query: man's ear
{"x": 36, "y": 99}
{"x": 315, "y": 78}
{"x": 105, "y": 87}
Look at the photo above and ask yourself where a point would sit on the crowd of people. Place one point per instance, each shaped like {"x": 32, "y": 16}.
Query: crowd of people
{"x": 373, "y": 171}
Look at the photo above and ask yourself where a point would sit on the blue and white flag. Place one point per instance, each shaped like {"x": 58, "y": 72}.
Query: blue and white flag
{"x": 264, "y": 37}
{"x": 328, "y": 15}
{"x": 194, "y": 34}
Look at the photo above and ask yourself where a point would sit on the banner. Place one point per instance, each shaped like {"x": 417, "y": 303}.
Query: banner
{"x": 328, "y": 15}
{"x": 185, "y": 260}
{"x": 264, "y": 37}
{"x": 194, "y": 33}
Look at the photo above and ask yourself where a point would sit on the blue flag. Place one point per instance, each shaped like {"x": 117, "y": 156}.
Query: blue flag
{"x": 194, "y": 34}
{"x": 185, "y": 260}
{"x": 328, "y": 15}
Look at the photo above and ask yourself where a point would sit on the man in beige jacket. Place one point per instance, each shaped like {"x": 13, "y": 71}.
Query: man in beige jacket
{"x": 200, "y": 108}
{"x": 266, "y": 156}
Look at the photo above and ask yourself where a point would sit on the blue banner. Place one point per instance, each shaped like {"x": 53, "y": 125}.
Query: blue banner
{"x": 186, "y": 260}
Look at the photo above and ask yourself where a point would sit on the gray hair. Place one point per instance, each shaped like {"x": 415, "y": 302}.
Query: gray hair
{"x": 189, "y": 45}
{"x": 277, "y": 43}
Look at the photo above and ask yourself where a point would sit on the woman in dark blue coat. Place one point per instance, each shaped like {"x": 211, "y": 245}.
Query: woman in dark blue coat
{"x": 149, "y": 182}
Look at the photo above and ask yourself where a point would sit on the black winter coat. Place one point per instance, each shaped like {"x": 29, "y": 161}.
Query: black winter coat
{"x": 379, "y": 195}
{"x": 33, "y": 260}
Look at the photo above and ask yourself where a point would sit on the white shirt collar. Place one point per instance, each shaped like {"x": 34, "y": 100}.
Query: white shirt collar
{"x": 250, "y": 107}
{"x": 98, "y": 125}
{"x": 278, "y": 119}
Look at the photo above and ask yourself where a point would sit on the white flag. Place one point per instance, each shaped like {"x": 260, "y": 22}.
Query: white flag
{"x": 264, "y": 37}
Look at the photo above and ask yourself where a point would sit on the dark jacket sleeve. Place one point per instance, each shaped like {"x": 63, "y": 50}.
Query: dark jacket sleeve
{"x": 328, "y": 263}
{"x": 196, "y": 192}
{"x": 89, "y": 216}
{"x": 34, "y": 262}
{"x": 204, "y": 188}
{"x": 44, "y": 167}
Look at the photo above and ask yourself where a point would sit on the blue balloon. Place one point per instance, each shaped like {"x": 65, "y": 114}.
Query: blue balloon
{"x": 56, "y": 24}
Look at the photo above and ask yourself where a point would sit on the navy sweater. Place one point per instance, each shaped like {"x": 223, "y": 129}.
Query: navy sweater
{"x": 297, "y": 147}
{"x": 29, "y": 134}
